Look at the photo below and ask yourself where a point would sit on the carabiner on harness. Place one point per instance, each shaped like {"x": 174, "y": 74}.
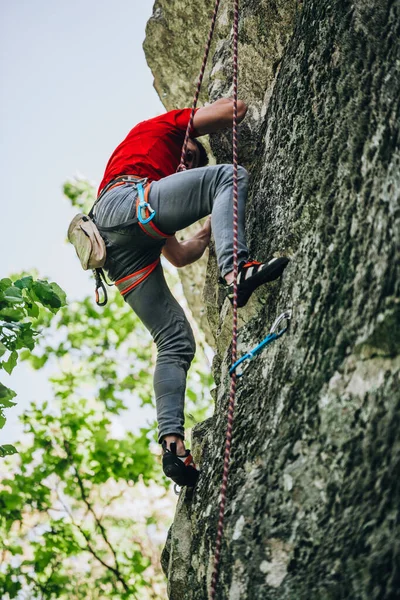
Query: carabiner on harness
{"x": 271, "y": 337}
{"x": 143, "y": 205}
{"x": 101, "y": 298}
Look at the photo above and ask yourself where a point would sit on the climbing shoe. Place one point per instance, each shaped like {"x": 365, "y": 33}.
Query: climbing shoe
{"x": 181, "y": 469}
{"x": 252, "y": 274}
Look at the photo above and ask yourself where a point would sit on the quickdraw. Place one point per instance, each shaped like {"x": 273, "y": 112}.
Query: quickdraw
{"x": 271, "y": 337}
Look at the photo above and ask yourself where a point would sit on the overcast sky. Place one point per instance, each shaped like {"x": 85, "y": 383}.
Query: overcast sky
{"x": 73, "y": 82}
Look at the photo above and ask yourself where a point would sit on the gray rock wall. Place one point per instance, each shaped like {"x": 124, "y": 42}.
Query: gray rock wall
{"x": 313, "y": 495}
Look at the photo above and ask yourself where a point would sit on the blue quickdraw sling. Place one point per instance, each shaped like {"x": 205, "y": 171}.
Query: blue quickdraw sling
{"x": 271, "y": 337}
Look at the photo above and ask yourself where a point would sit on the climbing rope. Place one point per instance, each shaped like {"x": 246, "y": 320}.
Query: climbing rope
{"x": 272, "y": 335}
{"x": 181, "y": 166}
{"x": 232, "y": 394}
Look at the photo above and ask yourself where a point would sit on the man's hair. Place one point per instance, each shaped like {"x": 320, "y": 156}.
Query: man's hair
{"x": 203, "y": 153}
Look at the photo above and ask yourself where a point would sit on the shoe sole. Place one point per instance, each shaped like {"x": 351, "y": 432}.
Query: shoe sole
{"x": 179, "y": 473}
{"x": 273, "y": 271}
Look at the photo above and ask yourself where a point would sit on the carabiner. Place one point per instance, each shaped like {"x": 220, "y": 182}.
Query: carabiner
{"x": 100, "y": 286}
{"x": 144, "y": 204}
{"x": 285, "y": 316}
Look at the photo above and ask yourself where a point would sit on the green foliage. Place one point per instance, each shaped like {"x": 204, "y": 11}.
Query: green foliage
{"x": 23, "y": 304}
{"x": 72, "y": 479}
{"x": 70, "y": 513}
{"x": 107, "y": 348}
{"x": 81, "y": 193}
{"x": 75, "y": 475}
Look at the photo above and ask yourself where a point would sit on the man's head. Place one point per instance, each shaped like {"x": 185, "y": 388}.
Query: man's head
{"x": 196, "y": 155}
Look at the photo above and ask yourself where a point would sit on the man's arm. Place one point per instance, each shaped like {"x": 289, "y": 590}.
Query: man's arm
{"x": 218, "y": 115}
{"x": 184, "y": 253}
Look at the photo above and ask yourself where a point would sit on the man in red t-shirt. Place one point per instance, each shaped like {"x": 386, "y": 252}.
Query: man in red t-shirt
{"x": 137, "y": 229}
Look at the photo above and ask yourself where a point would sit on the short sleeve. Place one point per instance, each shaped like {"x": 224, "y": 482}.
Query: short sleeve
{"x": 180, "y": 118}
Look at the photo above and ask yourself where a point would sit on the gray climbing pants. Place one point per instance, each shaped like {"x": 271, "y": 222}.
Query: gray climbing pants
{"x": 179, "y": 200}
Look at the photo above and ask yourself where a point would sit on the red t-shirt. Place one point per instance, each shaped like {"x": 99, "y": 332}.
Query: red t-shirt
{"x": 151, "y": 149}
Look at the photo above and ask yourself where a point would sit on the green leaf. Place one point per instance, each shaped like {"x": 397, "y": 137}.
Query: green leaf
{"x": 60, "y": 293}
{"x": 24, "y": 282}
{"x": 12, "y": 314}
{"x": 11, "y": 363}
{"x": 37, "y": 362}
{"x": 191, "y": 394}
{"x": 26, "y": 337}
{"x": 46, "y": 294}
{"x": 13, "y": 295}
{"x": 32, "y": 309}
{"x": 3, "y": 349}
{"x": 6, "y": 395}
{"x": 7, "y": 450}
{"x": 4, "y": 284}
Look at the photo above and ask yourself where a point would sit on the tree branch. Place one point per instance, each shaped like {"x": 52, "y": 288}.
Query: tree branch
{"x": 116, "y": 569}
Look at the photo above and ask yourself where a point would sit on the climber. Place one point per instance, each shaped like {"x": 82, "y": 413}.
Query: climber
{"x": 151, "y": 151}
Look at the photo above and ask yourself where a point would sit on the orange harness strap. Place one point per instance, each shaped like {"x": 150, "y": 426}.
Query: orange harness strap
{"x": 126, "y": 284}
{"x": 149, "y": 228}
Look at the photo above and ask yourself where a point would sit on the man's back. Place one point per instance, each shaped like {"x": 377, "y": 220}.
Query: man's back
{"x": 151, "y": 149}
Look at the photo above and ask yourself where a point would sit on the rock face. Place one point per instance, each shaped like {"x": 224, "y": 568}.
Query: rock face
{"x": 313, "y": 492}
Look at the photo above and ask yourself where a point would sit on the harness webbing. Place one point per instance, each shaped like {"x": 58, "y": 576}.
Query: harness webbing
{"x": 126, "y": 284}
{"x": 181, "y": 166}
{"x": 148, "y": 226}
{"x": 232, "y": 396}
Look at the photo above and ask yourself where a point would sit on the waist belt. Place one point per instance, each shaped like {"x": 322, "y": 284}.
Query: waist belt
{"x": 126, "y": 284}
{"x": 144, "y": 214}
{"x": 120, "y": 180}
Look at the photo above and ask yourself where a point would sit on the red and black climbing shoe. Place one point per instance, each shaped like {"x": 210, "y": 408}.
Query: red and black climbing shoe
{"x": 252, "y": 274}
{"x": 181, "y": 469}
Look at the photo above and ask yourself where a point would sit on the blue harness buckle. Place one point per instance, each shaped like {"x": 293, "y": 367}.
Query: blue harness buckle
{"x": 271, "y": 337}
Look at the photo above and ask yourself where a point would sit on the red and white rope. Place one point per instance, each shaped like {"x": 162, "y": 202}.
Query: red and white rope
{"x": 232, "y": 396}
{"x": 181, "y": 166}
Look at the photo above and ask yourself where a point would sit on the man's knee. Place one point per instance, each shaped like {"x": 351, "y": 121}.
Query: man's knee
{"x": 227, "y": 172}
{"x": 243, "y": 174}
{"x": 188, "y": 344}
{"x": 177, "y": 343}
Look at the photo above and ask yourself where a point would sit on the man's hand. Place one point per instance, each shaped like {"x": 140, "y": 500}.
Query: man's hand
{"x": 217, "y": 116}
{"x": 184, "y": 253}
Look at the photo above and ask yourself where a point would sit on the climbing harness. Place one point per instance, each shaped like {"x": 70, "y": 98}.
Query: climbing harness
{"x": 126, "y": 284}
{"x": 144, "y": 215}
{"x": 271, "y": 337}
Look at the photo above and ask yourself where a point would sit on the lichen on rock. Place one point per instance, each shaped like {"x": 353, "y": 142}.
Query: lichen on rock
{"x": 313, "y": 494}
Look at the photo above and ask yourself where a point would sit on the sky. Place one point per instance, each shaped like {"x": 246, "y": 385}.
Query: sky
{"x": 73, "y": 82}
